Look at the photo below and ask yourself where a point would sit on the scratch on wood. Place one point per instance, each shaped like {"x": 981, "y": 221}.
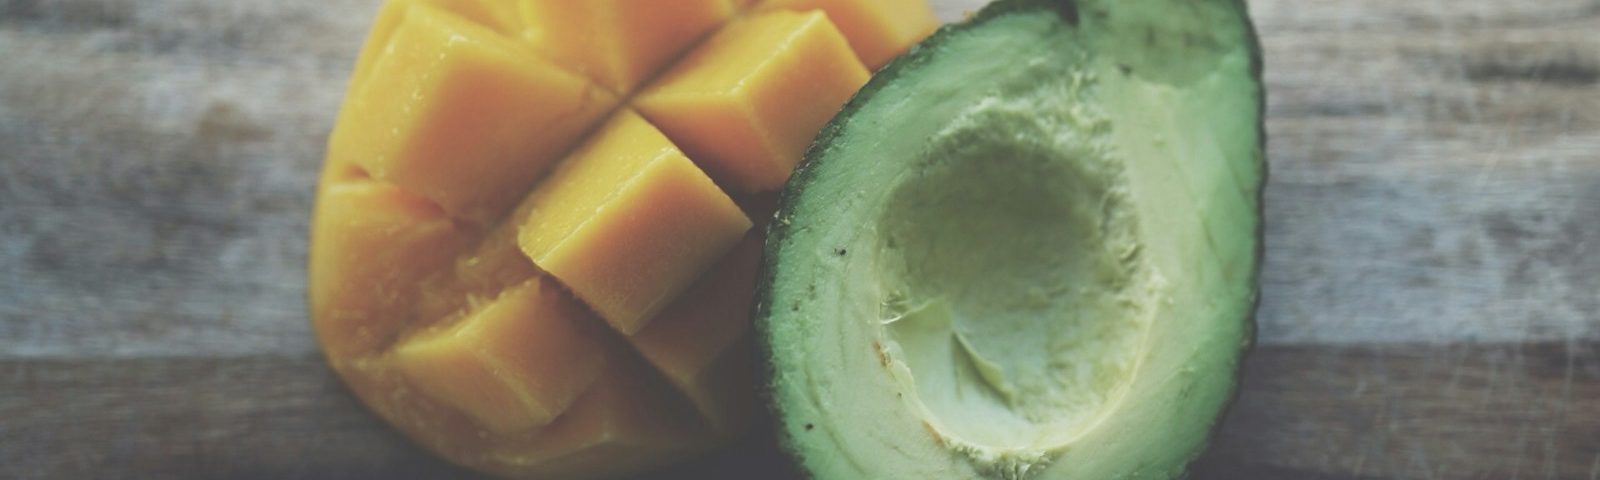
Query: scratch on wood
{"x": 1567, "y": 73}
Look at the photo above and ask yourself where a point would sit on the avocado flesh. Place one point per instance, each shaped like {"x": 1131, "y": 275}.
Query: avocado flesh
{"x": 1028, "y": 249}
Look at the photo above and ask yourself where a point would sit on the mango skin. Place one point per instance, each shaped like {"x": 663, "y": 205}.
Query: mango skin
{"x": 463, "y": 135}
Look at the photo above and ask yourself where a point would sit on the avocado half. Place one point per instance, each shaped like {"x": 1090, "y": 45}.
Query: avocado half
{"x": 1027, "y": 249}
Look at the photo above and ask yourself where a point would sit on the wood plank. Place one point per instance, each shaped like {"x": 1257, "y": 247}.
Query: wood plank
{"x": 250, "y": 417}
{"x": 1433, "y": 171}
{"x": 156, "y": 169}
{"x": 1400, "y": 411}
{"x": 1414, "y": 411}
{"x": 1429, "y": 310}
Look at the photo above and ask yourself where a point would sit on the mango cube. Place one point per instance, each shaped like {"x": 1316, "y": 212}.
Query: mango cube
{"x": 619, "y": 43}
{"x": 458, "y": 114}
{"x": 498, "y": 16}
{"x": 494, "y": 14}
{"x": 626, "y": 422}
{"x": 375, "y": 244}
{"x": 627, "y": 222}
{"x": 703, "y": 326}
{"x": 516, "y": 363}
{"x": 878, "y": 30}
{"x": 747, "y": 101}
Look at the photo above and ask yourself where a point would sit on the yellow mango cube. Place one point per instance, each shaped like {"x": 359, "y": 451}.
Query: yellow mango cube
{"x": 374, "y": 245}
{"x": 627, "y": 222}
{"x": 878, "y": 30}
{"x": 705, "y": 325}
{"x": 626, "y": 422}
{"x": 745, "y": 103}
{"x": 497, "y": 15}
{"x": 516, "y": 363}
{"x": 619, "y": 43}
{"x": 458, "y": 114}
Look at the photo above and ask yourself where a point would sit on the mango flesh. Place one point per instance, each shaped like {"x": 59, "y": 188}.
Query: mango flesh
{"x": 878, "y": 30}
{"x": 513, "y": 364}
{"x": 461, "y": 116}
{"x": 620, "y": 43}
{"x": 738, "y": 104}
{"x": 536, "y": 236}
{"x": 628, "y": 183}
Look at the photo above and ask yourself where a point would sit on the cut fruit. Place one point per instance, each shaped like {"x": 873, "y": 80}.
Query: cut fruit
{"x": 620, "y": 43}
{"x": 628, "y": 222}
{"x": 462, "y": 116}
{"x": 627, "y": 422}
{"x": 878, "y": 31}
{"x": 390, "y": 239}
{"x": 1028, "y": 249}
{"x": 527, "y": 277}
{"x": 745, "y": 103}
{"x": 512, "y": 365}
{"x": 704, "y": 327}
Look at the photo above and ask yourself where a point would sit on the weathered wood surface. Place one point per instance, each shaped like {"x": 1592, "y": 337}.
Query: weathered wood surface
{"x": 1432, "y": 285}
{"x": 1306, "y": 412}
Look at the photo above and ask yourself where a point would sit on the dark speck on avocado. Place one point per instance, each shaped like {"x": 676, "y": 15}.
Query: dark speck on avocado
{"x": 1069, "y": 12}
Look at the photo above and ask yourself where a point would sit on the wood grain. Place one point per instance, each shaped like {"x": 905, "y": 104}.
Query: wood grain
{"x": 1397, "y": 411}
{"x": 1431, "y": 292}
{"x": 1414, "y": 411}
{"x": 1435, "y": 171}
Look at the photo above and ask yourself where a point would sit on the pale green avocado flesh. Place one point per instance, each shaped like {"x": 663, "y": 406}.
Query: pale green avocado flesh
{"x": 1028, "y": 249}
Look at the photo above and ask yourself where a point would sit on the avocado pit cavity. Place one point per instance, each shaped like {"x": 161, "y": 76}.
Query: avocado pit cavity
{"x": 1015, "y": 301}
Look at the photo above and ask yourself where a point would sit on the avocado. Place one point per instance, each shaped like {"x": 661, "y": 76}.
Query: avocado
{"x": 1029, "y": 248}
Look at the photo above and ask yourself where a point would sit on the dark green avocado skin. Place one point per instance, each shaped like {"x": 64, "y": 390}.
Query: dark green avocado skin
{"x": 1067, "y": 10}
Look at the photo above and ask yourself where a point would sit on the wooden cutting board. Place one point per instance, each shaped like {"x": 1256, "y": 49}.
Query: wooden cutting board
{"x": 1431, "y": 291}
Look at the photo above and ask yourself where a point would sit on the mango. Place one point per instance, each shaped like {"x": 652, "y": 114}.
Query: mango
{"x": 539, "y": 222}
{"x": 701, "y": 339}
{"x": 514, "y": 364}
{"x": 387, "y": 238}
{"x": 462, "y": 116}
{"x": 748, "y": 101}
{"x": 620, "y": 43}
{"x": 629, "y": 183}
{"x": 878, "y": 30}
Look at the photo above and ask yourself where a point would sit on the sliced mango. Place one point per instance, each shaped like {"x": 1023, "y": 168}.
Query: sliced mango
{"x": 626, "y": 422}
{"x": 496, "y": 15}
{"x": 532, "y": 248}
{"x": 515, "y": 364}
{"x": 480, "y": 273}
{"x": 878, "y": 30}
{"x": 460, "y": 115}
{"x": 619, "y": 43}
{"x": 703, "y": 325}
{"x": 745, "y": 103}
{"x": 375, "y": 244}
{"x": 628, "y": 223}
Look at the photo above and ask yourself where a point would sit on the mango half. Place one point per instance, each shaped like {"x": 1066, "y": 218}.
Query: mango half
{"x": 537, "y": 229}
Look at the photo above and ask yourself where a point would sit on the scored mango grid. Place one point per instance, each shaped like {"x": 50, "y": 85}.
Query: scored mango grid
{"x": 359, "y": 76}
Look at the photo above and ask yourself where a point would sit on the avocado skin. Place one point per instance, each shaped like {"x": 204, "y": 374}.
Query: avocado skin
{"x": 779, "y": 228}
